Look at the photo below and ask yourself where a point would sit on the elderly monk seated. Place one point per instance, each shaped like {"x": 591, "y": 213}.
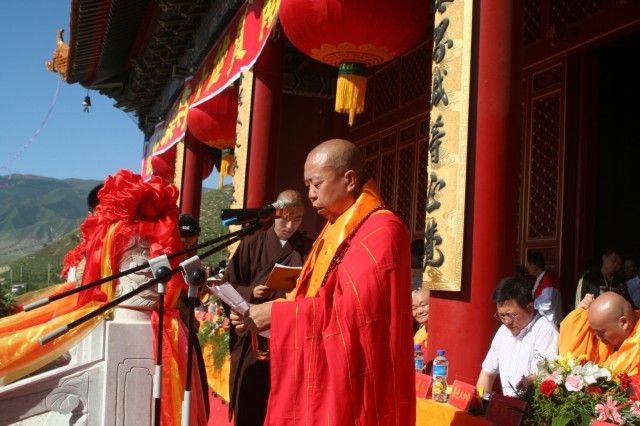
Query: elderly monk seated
{"x": 605, "y": 330}
{"x": 420, "y": 310}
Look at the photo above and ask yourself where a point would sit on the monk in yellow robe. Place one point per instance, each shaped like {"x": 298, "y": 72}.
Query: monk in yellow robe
{"x": 606, "y": 330}
{"x": 420, "y": 310}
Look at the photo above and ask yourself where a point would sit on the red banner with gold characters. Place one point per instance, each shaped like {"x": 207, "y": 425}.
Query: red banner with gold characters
{"x": 168, "y": 132}
{"x": 236, "y": 51}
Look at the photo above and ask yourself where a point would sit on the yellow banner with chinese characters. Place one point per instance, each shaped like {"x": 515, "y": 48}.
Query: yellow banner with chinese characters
{"x": 447, "y": 165}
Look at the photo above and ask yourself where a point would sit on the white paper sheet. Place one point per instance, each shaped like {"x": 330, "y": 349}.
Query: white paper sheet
{"x": 231, "y": 297}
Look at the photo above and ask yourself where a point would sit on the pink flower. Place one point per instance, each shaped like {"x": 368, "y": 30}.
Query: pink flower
{"x": 574, "y": 383}
{"x": 635, "y": 408}
{"x": 609, "y": 411}
{"x": 556, "y": 377}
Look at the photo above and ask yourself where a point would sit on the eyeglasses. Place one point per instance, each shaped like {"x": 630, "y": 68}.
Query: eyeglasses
{"x": 505, "y": 317}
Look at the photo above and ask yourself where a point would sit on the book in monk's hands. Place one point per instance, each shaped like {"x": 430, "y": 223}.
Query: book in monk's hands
{"x": 283, "y": 277}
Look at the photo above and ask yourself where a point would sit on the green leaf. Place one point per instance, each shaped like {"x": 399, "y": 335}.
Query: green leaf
{"x": 586, "y": 419}
{"x": 560, "y": 421}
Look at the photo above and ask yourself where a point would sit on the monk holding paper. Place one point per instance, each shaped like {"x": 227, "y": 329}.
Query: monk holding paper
{"x": 606, "y": 330}
{"x": 341, "y": 346}
{"x": 248, "y": 271}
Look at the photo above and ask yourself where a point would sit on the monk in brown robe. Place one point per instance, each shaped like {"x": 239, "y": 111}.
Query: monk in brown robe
{"x": 247, "y": 271}
{"x": 606, "y": 330}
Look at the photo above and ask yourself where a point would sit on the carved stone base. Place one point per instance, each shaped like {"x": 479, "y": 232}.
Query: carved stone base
{"x": 108, "y": 382}
{"x": 130, "y": 365}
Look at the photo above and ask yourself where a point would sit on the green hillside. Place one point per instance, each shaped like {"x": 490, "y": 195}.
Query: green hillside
{"x": 44, "y": 266}
{"x": 36, "y": 211}
{"x": 212, "y": 202}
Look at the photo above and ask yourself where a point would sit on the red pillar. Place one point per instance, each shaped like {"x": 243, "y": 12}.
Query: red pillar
{"x": 265, "y": 124}
{"x": 191, "y": 194}
{"x": 462, "y": 323}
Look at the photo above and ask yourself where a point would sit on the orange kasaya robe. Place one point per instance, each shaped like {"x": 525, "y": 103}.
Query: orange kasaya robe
{"x": 341, "y": 348}
{"x": 420, "y": 338}
{"x": 577, "y": 337}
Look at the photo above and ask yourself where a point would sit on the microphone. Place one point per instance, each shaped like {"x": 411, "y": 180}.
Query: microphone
{"x": 242, "y": 216}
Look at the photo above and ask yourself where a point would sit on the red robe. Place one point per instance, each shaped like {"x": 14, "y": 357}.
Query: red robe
{"x": 249, "y": 267}
{"x": 344, "y": 357}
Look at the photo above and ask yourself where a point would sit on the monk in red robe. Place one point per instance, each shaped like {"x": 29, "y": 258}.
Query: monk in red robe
{"x": 341, "y": 346}
{"x": 247, "y": 271}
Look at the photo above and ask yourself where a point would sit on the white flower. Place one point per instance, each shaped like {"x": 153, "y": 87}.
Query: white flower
{"x": 545, "y": 365}
{"x": 592, "y": 372}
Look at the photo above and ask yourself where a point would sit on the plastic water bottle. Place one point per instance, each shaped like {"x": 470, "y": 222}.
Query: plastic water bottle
{"x": 418, "y": 358}
{"x": 440, "y": 374}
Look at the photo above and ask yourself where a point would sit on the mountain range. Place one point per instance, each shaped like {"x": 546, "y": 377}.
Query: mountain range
{"x": 36, "y": 211}
{"x": 40, "y": 219}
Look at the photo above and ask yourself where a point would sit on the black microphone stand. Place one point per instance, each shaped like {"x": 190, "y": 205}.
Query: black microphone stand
{"x": 195, "y": 277}
{"x": 47, "y": 300}
{"x": 193, "y": 274}
{"x": 161, "y": 269}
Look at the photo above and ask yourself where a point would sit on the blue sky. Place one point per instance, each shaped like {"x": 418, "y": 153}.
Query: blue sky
{"x": 72, "y": 143}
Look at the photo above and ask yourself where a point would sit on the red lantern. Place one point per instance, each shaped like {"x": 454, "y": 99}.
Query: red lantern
{"x": 214, "y": 123}
{"x": 354, "y": 34}
{"x": 207, "y": 165}
{"x": 164, "y": 165}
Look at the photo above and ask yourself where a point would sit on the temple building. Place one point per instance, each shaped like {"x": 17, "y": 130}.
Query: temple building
{"x": 506, "y": 127}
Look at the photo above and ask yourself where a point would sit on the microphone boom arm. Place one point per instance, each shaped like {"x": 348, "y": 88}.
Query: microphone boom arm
{"x": 231, "y": 238}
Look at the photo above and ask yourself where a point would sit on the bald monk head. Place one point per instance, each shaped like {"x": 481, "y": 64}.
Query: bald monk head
{"x": 288, "y": 224}
{"x": 420, "y": 305}
{"x": 334, "y": 174}
{"x": 292, "y": 197}
{"x": 611, "y": 318}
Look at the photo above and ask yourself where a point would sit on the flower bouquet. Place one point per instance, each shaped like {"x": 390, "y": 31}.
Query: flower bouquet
{"x": 573, "y": 391}
{"x": 214, "y": 333}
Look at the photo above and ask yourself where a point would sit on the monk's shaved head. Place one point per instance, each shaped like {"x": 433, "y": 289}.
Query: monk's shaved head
{"x": 291, "y": 217}
{"x": 420, "y": 305}
{"x": 341, "y": 155}
{"x": 292, "y": 197}
{"x": 334, "y": 176}
{"x": 612, "y": 318}
{"x": 421, "y": 292}
{"x": 610, "y": 304}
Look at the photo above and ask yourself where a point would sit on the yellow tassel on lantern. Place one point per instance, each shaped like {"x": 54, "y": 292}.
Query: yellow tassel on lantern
{"x": 226, "y": 165}
{"x": 351, "y": 90}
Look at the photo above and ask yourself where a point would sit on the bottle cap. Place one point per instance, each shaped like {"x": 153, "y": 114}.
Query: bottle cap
{"x": 416, "y": 347}
{"x": 440, "y": 352}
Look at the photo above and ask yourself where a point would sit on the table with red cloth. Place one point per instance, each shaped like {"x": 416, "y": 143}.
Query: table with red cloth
{"x": 428, "y": 412}
{"x": 433, "y": 413}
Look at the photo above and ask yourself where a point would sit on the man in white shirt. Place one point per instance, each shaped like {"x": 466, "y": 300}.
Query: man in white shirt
{"x": 546, "y": 291}
{"x": 523, "y": 337}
